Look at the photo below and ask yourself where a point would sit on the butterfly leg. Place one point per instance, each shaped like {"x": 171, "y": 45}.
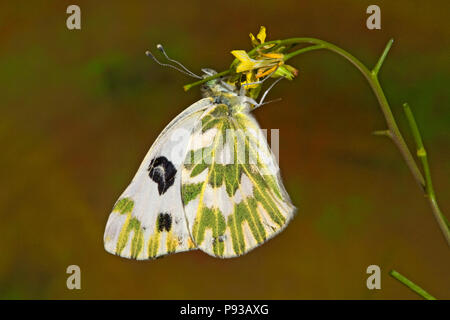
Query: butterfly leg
{"x": 242, "y": 91}
{"x": 243, "y": 87}
{"x": 261, "y": 102}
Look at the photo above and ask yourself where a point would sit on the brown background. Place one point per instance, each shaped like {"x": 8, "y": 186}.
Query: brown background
{"x": 81, "y": 108}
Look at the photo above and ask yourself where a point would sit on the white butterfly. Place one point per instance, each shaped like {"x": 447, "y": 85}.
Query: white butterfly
{"x": 209, "y": 182}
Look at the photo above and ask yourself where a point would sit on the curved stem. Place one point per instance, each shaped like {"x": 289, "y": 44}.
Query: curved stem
{"x": 303, "y": 50}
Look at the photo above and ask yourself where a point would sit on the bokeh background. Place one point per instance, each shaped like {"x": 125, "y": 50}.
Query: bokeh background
{"x": 79, "y": 110}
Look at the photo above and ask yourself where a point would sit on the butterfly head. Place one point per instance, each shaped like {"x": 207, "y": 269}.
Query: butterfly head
{"x": 225, "y": 92}
{"x": 216, "y": 87}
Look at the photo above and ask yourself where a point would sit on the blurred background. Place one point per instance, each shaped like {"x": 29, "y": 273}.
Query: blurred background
{"x": 80, "y": 109}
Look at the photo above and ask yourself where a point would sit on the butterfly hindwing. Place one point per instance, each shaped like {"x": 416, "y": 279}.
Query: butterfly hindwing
{"x": 148, "y": 220}
{"x": 232, "y": 192}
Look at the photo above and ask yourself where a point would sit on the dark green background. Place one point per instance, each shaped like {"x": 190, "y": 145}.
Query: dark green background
{"x": 79, "y": 110}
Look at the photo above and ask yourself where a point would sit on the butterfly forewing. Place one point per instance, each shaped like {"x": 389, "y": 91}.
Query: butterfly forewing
{"x": 148, "y": 220}
{"x": 232, "y": 192}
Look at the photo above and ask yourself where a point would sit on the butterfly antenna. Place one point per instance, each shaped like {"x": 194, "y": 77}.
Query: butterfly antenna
{"x": 149, "y": 54}
{"x": 161, "y": 48}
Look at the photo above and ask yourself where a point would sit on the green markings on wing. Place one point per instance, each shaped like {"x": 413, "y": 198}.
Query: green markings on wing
{"x": 137, "y": 242}
{"x": 171, "y": 243}
{"x": 124, "y": 205}
{"x": 270, "y": 206}
{"x": 263, "y": 176}
{"x": 132, "y": 228}
{"x": 266, "y": 192}
{"x": 210, "y": 219}
{"x": 154, "y": 241}
{"x": 214, "y": 117}
{"x": 153, "y": 244}
{"x": 245, "y": 211}
{"x": 131, "y": 225}
{"x": 229, "y": 174}
{"x": 190, "y": 191}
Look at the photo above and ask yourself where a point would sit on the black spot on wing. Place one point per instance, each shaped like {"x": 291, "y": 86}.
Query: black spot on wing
{"x": 164, "y": 222}
{"x": 163, "y": 172}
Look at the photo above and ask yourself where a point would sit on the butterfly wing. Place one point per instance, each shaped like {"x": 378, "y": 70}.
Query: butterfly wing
{"x": 233, "y": 196}
{"x": 148, "y": 220}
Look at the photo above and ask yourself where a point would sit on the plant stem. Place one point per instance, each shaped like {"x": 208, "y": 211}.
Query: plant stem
{"x": 414, "y": 287}
{"x": 217, "y": 75}
{"x": 422, "y": 155}
{"x": 303, "y": 50}
{"x": 383, "y": 56}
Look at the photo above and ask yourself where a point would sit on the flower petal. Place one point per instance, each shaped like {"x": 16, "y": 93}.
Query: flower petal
{"x": 253, "y": 39}
{"x": 246, "y": 63}
{"x": 262, "y": 34}
{"x": 272, "y": 55}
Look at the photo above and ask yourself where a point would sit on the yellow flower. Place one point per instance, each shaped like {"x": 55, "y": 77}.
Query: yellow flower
{"x": 264, "y": 63}
{"x": 246, "y": 65}
{"x": 245, "y": 62}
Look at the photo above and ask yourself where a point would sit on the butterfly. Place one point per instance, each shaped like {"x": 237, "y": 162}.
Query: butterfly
{"x": 208, "y": 182}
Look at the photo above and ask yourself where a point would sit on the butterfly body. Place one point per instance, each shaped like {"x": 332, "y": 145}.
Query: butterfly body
{"x": 209, "y": 182}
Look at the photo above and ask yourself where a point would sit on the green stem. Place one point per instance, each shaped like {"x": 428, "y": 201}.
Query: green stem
{"x": 414, "y": 287}
{"x": 383, "y": 56}
{"x": 421, "y": 152}
{"x": 303, "y": 50}
{"x": 422, "y": 155}
{"x": 217, "y": 75}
